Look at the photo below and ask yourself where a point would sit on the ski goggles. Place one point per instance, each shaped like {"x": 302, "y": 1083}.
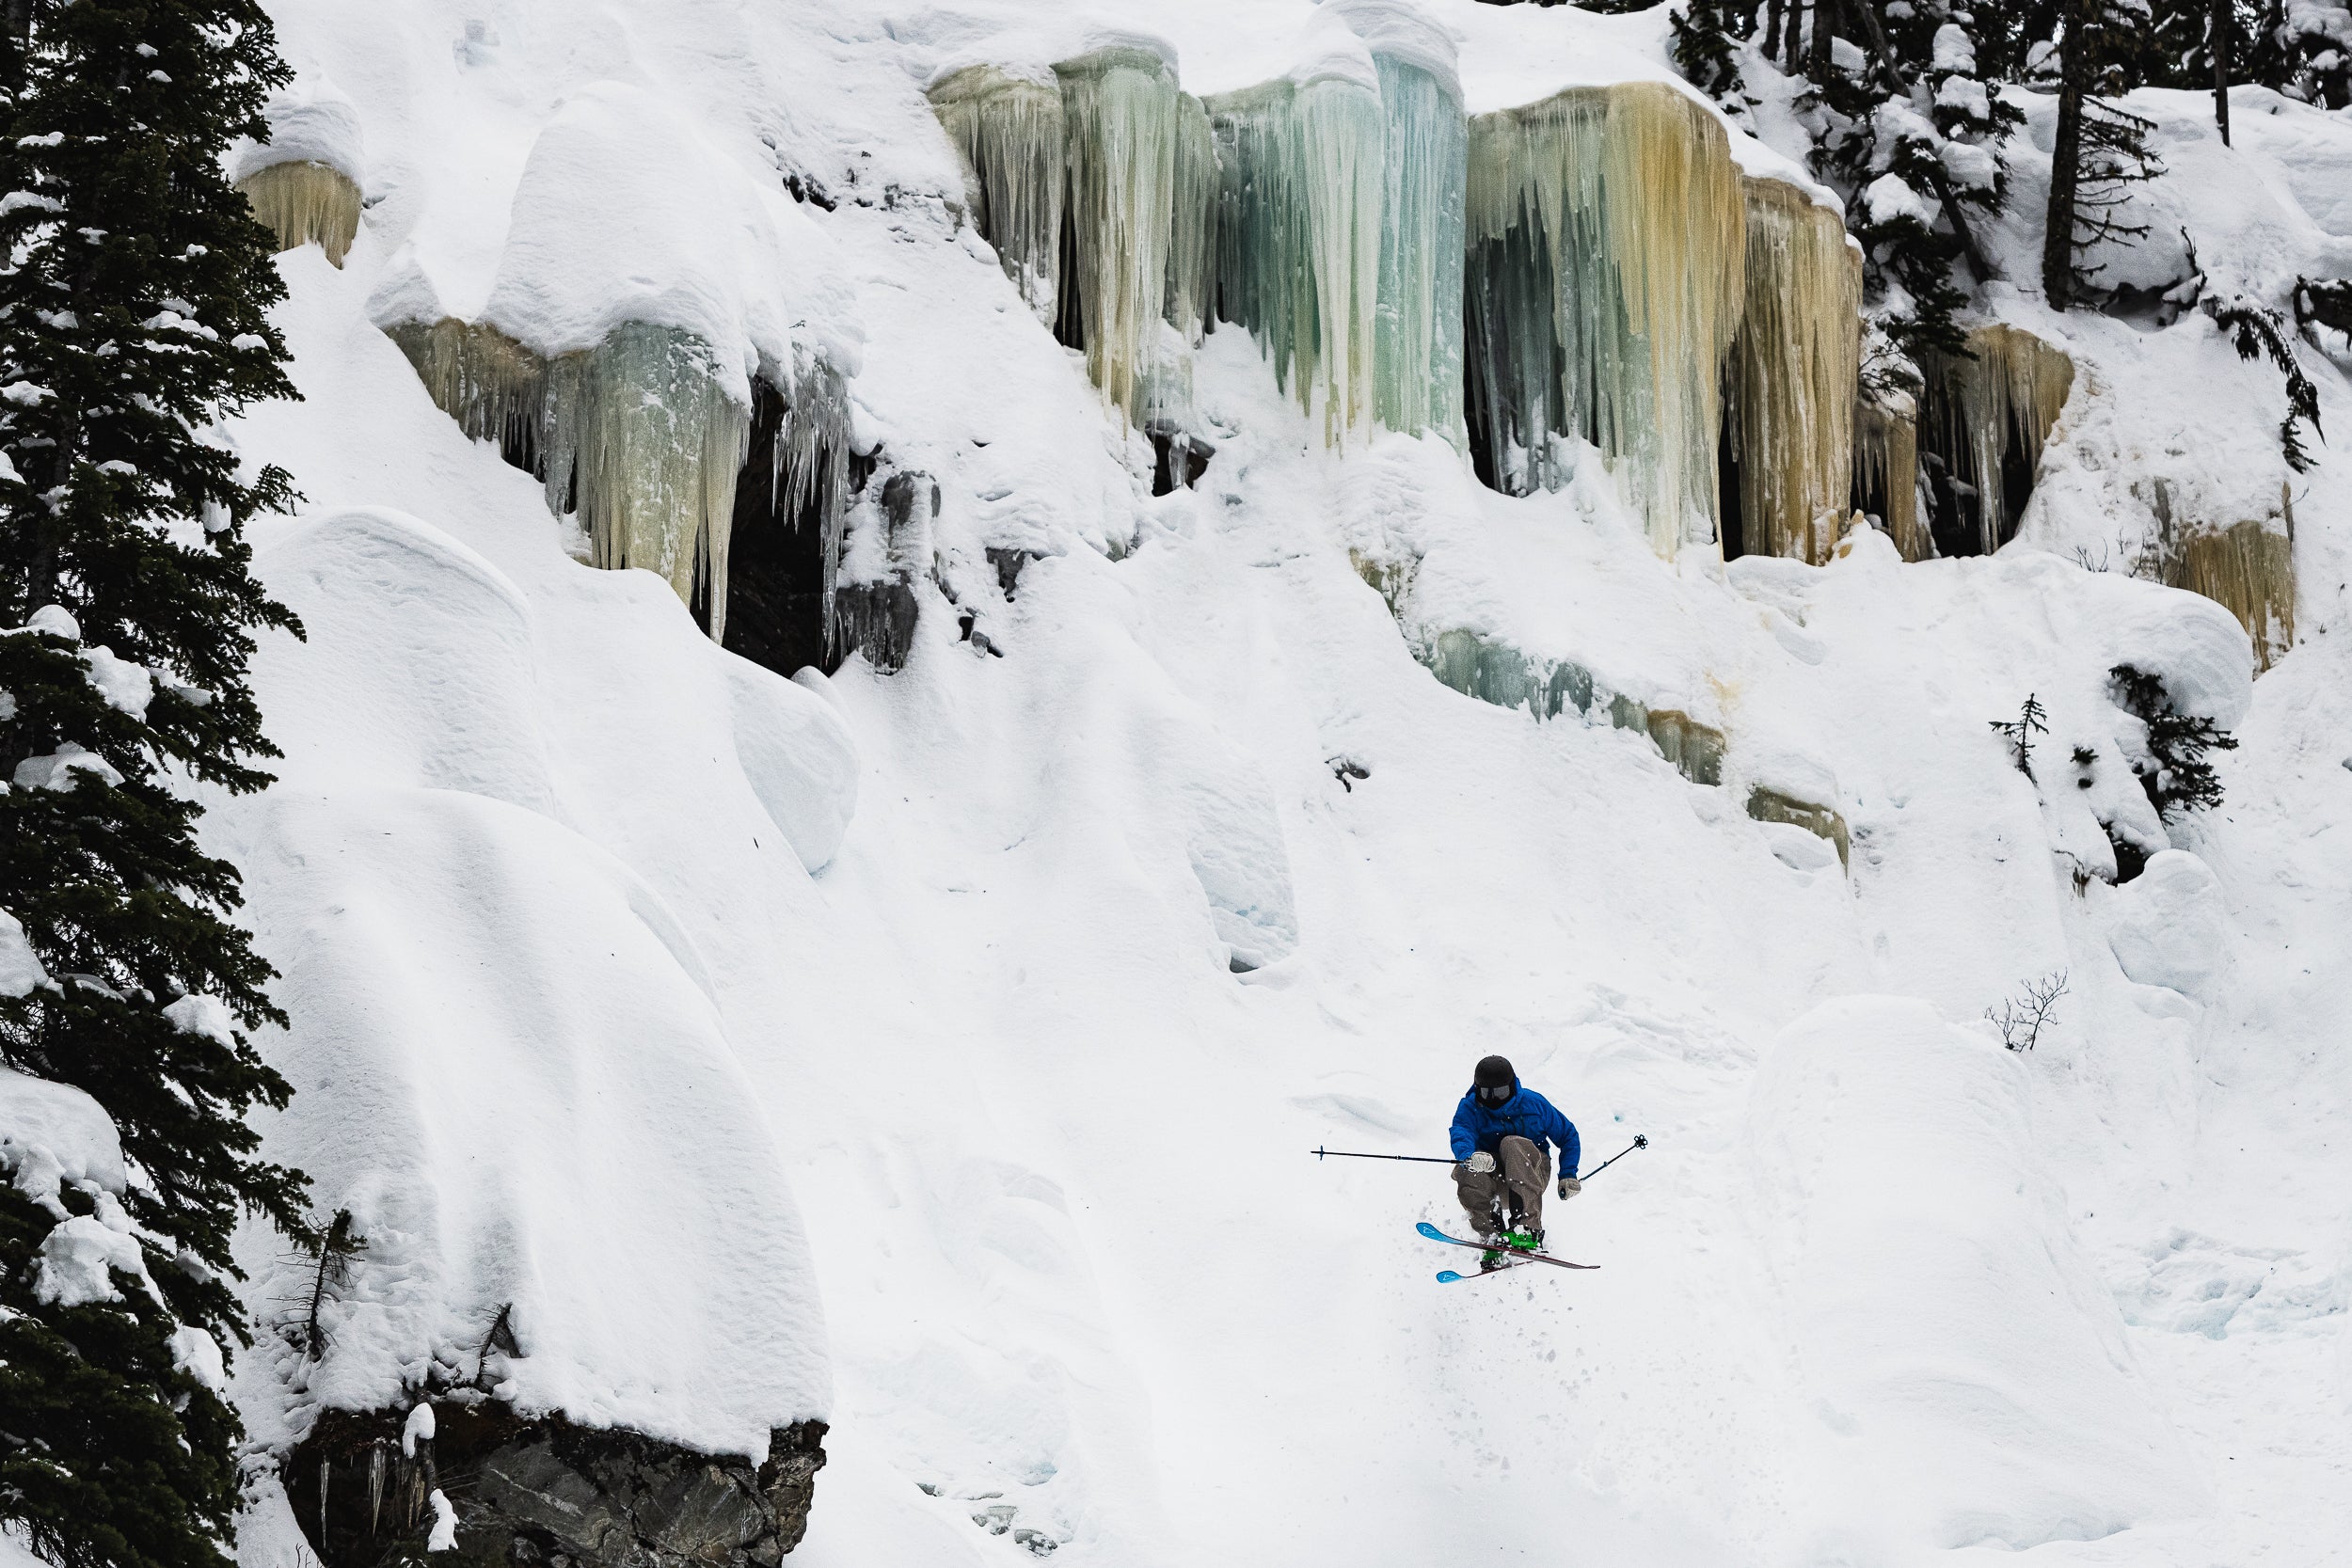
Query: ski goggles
{"x": 1499, "y": 1095}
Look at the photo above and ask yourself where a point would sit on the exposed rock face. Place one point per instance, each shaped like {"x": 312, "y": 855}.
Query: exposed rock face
{"x": 1771, "y": 805}
{"x": 534, "y": 1492}
{"x": 874, "y": 603}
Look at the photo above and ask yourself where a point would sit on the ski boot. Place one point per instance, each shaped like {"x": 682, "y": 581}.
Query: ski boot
{"x": 1494, "y": 1233}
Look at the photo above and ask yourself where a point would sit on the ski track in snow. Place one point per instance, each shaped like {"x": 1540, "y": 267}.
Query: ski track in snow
{"x": 1074, "y": 1272}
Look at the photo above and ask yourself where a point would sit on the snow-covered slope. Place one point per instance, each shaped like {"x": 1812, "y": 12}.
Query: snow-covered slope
{"x": 872, "y": 1048}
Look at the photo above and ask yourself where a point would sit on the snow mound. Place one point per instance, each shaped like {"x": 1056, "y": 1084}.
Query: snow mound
{"x": 312, "y": 121}
{"x": 2168, "y": 926}
{"x": 626, "y": 212}
{"x": 1966, "y": 1374}
{"x": 512, "y": 1074}
{"x": 797, "y": 755}
{"x": 419, "y": 667}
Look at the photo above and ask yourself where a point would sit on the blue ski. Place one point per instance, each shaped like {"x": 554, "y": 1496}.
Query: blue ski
{"x": 1522, "y": 1255}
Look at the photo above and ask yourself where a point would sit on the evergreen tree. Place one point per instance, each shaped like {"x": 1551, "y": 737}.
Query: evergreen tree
{"x": 2019, "y": 731}
{"x": 132, "y": 320}
{"x": 2178, "y": 778}
{"x": 2100, "y": 149}
{"x": 1908, "y": 133}
{"x": 2304, "y": 49}
{"x": 2257, "y": 331}
{"x": 1707, "y": 36}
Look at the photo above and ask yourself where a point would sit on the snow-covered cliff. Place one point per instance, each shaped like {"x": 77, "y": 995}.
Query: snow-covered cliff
{"x": 935, "y": 1051}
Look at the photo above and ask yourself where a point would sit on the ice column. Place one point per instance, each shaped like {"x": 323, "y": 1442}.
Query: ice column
{"x": 1988, "y": 417}
{"x": 1122, "y": 115}
{"x": 493, "y": 386}
{"x": 2248, "y": 569}
{"x": 1607, "y": 273}
{"x": 641, "y": 439}
{"x": 1299, "y": 230}
{"x": 1796, "y": 359}
{"x": 1425, "y": 173}
{"x": 1010, "y": 131}
{"x": 1886, "y": 467}
{"x": 810, "y": 479}
{"x": 1192, "y": 224}
{"x": 649, "y": 441}
{"x": 1417, "y": 344}
{"x": 301, "y": 201}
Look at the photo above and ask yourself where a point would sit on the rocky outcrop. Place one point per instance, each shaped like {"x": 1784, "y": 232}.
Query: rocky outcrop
{"x": 874, "y": 602}
{"x": 372, "y": 1488}
{"x": 1771, "y": 805}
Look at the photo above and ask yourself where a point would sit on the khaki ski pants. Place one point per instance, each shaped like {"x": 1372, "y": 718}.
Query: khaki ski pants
{"x": 1520, "y": 1167}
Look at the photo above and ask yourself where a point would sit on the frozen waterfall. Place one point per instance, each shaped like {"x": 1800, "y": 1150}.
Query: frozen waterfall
{"x": 1011, "y": 131}
{"x": 1606, "y": 279}
{"x": 1795, "y": 363}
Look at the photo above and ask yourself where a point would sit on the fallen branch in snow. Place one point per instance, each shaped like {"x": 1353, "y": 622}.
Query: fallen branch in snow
{"x": 2020, "y": 1018}
{"x": 501, "y": 1338}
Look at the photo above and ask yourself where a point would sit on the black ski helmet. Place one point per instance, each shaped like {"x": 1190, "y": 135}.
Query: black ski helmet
{"x": 1494, "y": 1073}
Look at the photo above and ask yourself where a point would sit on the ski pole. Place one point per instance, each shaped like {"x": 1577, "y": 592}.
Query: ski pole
{"x": 1640, "y": 1141}
{"x": 1344, "y": 1154}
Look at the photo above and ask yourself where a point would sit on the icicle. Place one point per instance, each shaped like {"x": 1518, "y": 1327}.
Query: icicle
{"x": 1798, "y": 358}
{"x": 2250, "y": 571}
{"x": 811, "y": 475}
{"x": 1606, "y": 277}
{"x": 493, "y": 386}
{"x": 1994, "y": 412}
{"x": 1299, "y": 233}
{"x": 1424, "y": 174}
{"x": 1167, "y": 384}
{"x": 1122, "y": 113}
{"x": 639, "y": 439}
{"x": 1886, "y": 470}
{"x": 1425, "y": 170}
{"x": 653, "y": 442}
{"x": 1010, "y": 131}
{"x": 301, "y": 201}
{"x": 1192, "y": 223}
{"x": 376, "y": 1487}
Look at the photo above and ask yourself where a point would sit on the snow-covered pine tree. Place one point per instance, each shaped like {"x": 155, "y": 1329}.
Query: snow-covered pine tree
{"x": 132, "y": 320}
{"x": 2177, "y": 774}
{"x": 1909, "y": 134}
{"x": 1707, "y": 36}
{"x": 2304, "y": 49}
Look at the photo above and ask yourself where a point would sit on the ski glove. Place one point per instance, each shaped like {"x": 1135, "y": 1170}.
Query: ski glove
{"x": 1571, "y": 1186}
{"x": 1481, "y": 1163}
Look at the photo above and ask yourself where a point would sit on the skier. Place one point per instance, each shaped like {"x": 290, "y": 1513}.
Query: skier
{"x": 1500, "y": 1131}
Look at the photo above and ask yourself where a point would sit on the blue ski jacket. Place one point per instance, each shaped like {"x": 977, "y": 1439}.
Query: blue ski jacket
{"x": 1527, "y": 1114}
